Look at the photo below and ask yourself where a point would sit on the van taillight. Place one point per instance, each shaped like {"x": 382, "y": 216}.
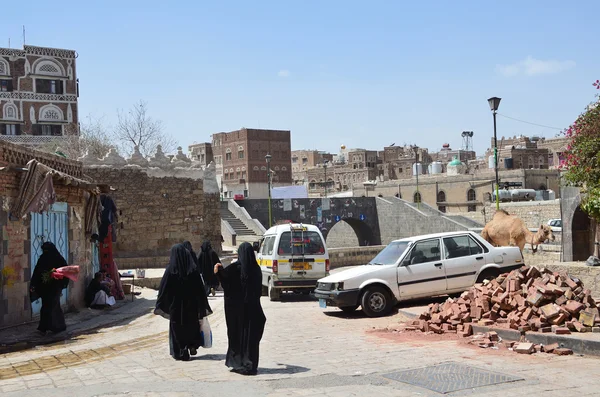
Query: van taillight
{"x": 327, "y": 267}
{"x": 275, "y": 267}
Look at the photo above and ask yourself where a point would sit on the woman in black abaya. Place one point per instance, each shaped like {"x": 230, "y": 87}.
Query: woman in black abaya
{"x": 207, "y": 260}
{"x": 181, "y": 297}
{"x": 49, "y": 289}
{"x": 245, "y": 318}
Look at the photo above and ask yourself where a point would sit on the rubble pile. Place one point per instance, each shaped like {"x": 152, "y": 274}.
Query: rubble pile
{"x": 526, "y": 299}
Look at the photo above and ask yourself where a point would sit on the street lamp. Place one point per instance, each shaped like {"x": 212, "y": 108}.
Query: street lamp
{"x": 416, "y": 149}
{"x": 268, "y": 159}
{"x": 494, "y": 104}
{"x": 325, "y": 169}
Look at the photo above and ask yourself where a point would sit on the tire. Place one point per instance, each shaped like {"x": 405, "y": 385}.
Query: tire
{"x": 274, "y": 293}
{"x": 376, "y": 301}
{"x": 488, "y": 274}
{"x": 265, "y": 291}
{"x": 349, "y": 309}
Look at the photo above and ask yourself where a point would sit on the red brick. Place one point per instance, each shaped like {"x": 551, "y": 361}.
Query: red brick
{"x": 550, "y": 348}
{"x": 563, "y": 352}
{"x": 587, "y": 317}
{"x": 561, "y": 331}
{"x": 550, "y": 310}
{"x": 574, "y": 307}
{"x": 492, "y": 336}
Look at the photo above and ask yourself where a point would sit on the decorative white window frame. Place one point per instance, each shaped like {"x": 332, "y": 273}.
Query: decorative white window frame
{"x": 284, "y": 168}
{"x": 228, "y": 150}
{"x": 256, "y": 168}
{"x": 5, "y": 109}
{"x": 231, "y": 170}
{"x": 238, "y": 169}
{"x": 240, "y": 148}
{"x": 243, "y": 168}
{"x": 263, "y": 168}
{"x": 60, "y": 70}
{"x": 6, "y": 67}
{"x": 276, "y": 168}
{"x": 44, "y": 109}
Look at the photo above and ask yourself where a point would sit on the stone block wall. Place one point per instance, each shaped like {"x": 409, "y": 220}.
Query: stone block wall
{"x": 156, "y": 212}
{"x": 353, "y": 256}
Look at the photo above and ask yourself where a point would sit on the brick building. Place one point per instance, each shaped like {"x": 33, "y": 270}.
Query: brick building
{"x": 556, "y": 147}
{"x": 241, "y": 165}
{"x": 303, "y": 160}
{"x": 38, "y": 94}
{"x": 201, "y": 152}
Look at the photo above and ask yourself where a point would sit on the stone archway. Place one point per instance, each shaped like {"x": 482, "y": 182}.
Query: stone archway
{"x": 581, "y": 237}
{"x": 350, "y": 232}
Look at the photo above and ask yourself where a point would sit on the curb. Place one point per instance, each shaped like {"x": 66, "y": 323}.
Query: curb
{"x": 578, "y": 345}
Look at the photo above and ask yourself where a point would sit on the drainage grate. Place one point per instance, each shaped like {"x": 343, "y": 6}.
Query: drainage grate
{"x": 451, "y": 377}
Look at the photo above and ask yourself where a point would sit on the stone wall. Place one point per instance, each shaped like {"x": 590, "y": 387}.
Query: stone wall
{"x": 342, "y": 235}
{"x": 353, "y": 256}
{"x": 156, "y": 212}
{"x": 533, "y": 213}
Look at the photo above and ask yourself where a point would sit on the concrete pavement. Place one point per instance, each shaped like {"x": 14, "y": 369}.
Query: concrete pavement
{"x": 304, "y": 352}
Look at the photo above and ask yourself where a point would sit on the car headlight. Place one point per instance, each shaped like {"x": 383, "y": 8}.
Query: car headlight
{"x": 338, "y": 286}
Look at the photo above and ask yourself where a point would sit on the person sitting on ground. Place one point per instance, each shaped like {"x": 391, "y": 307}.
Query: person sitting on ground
{"x": 97, "y": 295}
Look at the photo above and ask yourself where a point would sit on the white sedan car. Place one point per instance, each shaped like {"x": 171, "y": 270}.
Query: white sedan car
{"x": 417, "y": 267}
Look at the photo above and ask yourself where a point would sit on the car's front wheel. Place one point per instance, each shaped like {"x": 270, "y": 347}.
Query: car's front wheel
{"x": 376, "y": 301}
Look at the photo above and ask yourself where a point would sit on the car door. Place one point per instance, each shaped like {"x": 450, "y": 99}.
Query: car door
{"x": 462, "y": 259}
{"x": 422, "y": 273}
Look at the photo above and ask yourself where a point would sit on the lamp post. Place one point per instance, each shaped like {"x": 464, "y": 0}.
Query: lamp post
{"x": 494, "y": 104}
{"x": 268, "y": 159}
{"x": 325, "y": 169}
{"x": 416, "y": 149}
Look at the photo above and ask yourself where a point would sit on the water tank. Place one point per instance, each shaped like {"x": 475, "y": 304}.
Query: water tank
{"x": 418, "y": 167}
{"x": 508, "y": 164}
{"x": 523, "y": 194}
{"x": 436, "y": 167}
{"x": 551, "y": 195}
{"x": 491, "y": 162}
{"x": 504, "y": 195}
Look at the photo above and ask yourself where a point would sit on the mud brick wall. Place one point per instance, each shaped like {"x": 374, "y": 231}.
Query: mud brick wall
{"x": 157, "y": 212}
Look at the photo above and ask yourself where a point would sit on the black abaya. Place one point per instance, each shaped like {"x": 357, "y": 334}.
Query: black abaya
{"x": 49, "y": 289}
{"x": 207, "y": 259}
{"x": 181, "y": 297}
{"x": 245, "y": 318}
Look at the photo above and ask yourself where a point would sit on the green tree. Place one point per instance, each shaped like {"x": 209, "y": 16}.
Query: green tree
{"x": 582, "y": 162}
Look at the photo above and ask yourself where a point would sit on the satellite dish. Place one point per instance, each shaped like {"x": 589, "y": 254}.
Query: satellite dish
{"x": 393, "y": 144}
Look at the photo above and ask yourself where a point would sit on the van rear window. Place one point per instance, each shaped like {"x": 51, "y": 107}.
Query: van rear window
{"x": 301, "y": 243}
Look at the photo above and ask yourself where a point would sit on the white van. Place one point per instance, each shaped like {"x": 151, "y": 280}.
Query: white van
{"x": 292, "y": 257}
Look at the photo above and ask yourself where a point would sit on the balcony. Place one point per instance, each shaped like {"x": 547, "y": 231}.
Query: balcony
{"x": 38, "y": 97}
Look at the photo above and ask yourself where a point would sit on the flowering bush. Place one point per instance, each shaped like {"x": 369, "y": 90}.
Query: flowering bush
{"x": 582, "y": 157}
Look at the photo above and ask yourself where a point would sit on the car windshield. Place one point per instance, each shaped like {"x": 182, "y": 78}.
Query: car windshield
{"x": 390, "y": 254}
{"x": 301, "y": 243}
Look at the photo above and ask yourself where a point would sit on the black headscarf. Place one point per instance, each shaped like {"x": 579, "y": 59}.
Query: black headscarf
{"x": 50, "y": 259}
{"x": 250, "y": 272}
{"x": 181, "y": 262}
{"x": 189, "y": 247}
{"x": 207, "y": 259}
{"x": 181, "y": 295}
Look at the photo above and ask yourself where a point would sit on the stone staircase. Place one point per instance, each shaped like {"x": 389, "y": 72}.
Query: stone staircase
{"x": 430, "y": 211}
{"x": 242, "y": 231}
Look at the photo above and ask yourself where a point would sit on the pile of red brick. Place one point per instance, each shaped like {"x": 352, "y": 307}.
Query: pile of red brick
{"x": 526, "y": 299}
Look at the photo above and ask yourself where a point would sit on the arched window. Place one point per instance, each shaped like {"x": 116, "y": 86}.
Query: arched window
{"x": 263, "y": 168}
{"x": 284, "y": 168}
{"x": 471, "y": 196}
{"x": 276, "y": 168}
{"x": 441, "y": 198}
{"x": 4, "y": 68}
{"x": 417, "y": 197}
{"x": 51, "y": 113}
{"x": 47, "y": 67}
{"x": 256, "y": 168}
{"x": 9, "y": 112}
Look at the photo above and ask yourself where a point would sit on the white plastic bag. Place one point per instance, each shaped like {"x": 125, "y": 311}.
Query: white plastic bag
{"x": 205, "y": 333}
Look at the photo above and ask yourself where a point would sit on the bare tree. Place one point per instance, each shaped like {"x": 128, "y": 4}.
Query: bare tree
{"x": 137, "y": 128}
{"x": 93, "y": 137}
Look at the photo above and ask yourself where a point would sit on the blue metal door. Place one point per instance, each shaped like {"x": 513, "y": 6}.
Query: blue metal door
{"x": 95, "y": 256}
{"x": 53, "y": 226}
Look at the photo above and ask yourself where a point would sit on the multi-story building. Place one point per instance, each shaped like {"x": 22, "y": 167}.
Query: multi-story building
{"x": 38, "y": 94}
{"x": 201, "y": 152}
{"x": 303, "y": 160}
{"x": 240, "y": 158}
{"x": 556, "y": 148}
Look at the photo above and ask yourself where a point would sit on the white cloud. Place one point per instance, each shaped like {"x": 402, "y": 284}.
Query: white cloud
{"x": 533, "y": 67}
{"x": 284, "y": 73}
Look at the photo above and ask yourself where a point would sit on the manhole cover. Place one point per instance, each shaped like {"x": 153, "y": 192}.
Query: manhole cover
{"x": 451, "y": 377}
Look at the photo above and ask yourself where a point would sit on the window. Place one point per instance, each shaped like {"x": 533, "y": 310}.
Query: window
{"x": 6, "y": 86}
{"x": 202, "y": 158}
{"x": 460, "y": 246}
{"x": 425, "y": 251}
{"x": 269, "y": 244}
{"x": 417, "y": 197}
{"x": 44, "y": 86}
{"x": 390, "y": 254}
{"x": 245, "y": 193}
{"x": 305, "y": 161}
{"x": 294, "y": 159}
{"x": 301, "y": 243}
{"x": 228, "y": 156}
{"x": 10, "y": 129}
{"x": 241, "y": 154}
{"x": 47, "y": 130}
{"x": 471, "y": 196}
{"x": 243, "y": 174}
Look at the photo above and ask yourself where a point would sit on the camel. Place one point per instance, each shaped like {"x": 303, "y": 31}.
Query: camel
{"x": 508, "y": 230}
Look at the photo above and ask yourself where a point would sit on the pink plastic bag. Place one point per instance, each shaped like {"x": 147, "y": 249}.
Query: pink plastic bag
{"x": 70, "y": 272}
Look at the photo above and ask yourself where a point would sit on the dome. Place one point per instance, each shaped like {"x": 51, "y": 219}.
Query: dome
{"x": 455, "y": 162}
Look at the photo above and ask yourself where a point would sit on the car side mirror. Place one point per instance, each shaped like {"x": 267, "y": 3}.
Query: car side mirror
{"x": 255, "y": 246}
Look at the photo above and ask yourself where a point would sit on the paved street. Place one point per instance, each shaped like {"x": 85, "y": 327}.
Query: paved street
{"x": 304, "y": 353}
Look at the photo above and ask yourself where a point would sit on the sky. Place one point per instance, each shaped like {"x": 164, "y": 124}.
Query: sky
{"x": 365, "y": 74}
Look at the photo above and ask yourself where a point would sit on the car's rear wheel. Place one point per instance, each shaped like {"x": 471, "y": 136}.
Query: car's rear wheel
{"x": 376, "y": 301}
{"x": 349, "y": 309}
{"x": 274, "y": 293}
{"x": 488, "y": 274}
